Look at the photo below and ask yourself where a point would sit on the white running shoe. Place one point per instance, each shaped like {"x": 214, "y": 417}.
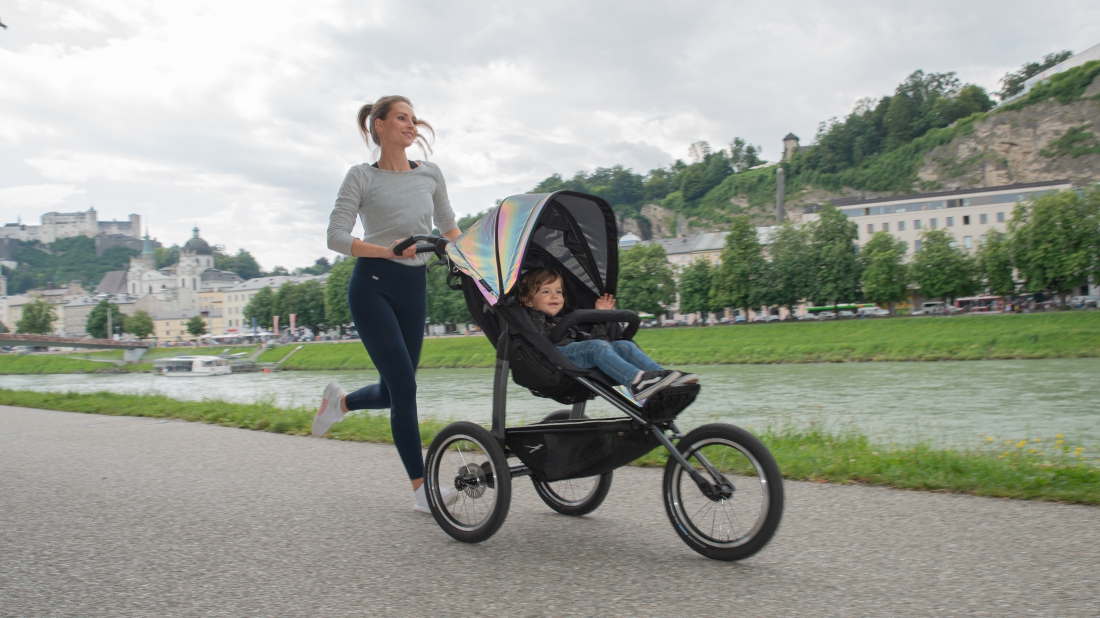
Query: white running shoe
{"x": 450, "y": 496}
{"x": 330, "y": 411}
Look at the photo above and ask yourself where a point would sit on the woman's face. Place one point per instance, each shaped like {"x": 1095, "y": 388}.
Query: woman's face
{"x": 398, "y": 130}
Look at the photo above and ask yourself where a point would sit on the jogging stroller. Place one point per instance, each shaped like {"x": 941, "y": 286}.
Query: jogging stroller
{"x": 722, "y": 488}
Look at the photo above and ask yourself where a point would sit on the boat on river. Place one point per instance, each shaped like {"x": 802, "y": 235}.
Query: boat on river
{"x": 192, "y": 366}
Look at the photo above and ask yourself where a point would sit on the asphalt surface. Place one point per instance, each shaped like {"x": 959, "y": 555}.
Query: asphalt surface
{"x": 125, "y": 516}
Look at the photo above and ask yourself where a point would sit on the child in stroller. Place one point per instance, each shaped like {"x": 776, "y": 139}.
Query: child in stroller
{"x": 540, "y": 291}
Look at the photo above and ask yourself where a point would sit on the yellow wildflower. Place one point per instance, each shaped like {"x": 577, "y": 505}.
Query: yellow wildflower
{"x": 1021, "y": 443}
{"x": 990, "y": 439}
{"x": 1057, "y": 435}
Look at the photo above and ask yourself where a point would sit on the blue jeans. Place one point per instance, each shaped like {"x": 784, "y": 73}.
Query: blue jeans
{"x": 620, "y": 360}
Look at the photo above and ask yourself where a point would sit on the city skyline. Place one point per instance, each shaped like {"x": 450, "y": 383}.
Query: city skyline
{"x": 177, "y": 113}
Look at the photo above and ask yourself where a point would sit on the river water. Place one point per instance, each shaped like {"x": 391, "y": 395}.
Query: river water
{"x": 948, "y": 402}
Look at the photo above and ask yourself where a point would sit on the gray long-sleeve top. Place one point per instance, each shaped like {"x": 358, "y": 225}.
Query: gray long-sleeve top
{"x": 391, "y": 205}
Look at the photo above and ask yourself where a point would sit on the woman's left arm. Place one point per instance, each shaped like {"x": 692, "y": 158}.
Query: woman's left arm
{"x": 444, "y": 215}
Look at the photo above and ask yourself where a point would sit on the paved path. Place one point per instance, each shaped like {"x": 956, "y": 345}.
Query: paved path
{"x": 122, "y": 516}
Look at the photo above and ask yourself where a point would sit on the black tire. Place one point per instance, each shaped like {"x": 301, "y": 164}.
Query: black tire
{"x": 573, "y": 497}
{"x": 751, "y": 512}
{"x": 467, "y": 458}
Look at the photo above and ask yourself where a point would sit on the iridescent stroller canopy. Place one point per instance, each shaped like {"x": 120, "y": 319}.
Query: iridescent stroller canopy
{"x": 577, "y": 231}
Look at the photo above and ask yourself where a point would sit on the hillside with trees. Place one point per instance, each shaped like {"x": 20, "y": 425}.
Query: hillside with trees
{"x": 932, "y": 133}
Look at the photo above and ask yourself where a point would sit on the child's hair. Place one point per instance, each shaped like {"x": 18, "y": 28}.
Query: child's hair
{"x": 532, "y": 280}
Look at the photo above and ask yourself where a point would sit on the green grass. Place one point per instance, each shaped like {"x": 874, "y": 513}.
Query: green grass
{"x": 24, "y": 364}
{"x": 1063, "y": 334}
{"x": 1029, "y": 469}
{"x": 1070, "y": 334}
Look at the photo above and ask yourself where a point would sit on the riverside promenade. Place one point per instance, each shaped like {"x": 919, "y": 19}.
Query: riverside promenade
{"x": 108, "y": 516}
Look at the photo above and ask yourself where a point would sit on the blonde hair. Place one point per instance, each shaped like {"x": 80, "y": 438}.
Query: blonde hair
{"x": 379, "y": 110}
{"x": 532, "y": 280}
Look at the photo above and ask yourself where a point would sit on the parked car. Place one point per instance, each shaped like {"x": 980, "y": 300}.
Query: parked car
{"x": 810, "y": 316}
{"x": 757, "y": 318}
{"x": 771, "y": 318}
{"x": 825, "y": 315}
{"x": 874, "y": 312}
{"x": 738, "y": 319}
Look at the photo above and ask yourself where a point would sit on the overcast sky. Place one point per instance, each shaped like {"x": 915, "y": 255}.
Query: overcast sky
{"x": 239, "y": 116}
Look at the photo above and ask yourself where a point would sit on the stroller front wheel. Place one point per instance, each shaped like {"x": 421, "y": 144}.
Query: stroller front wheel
{"x": 739, "y": 520}
{"x": 466, "y": 458}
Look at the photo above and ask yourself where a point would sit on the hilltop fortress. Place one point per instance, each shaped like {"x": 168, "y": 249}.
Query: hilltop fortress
{"x": 57, "y": 225}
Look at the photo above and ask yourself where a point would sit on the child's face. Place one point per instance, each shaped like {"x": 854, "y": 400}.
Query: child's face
{"x": 548, "y": 298}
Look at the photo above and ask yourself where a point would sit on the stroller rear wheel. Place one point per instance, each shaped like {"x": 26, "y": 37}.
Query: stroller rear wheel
{"x": 572, "y": 496}
{"x": 468, "y": 459}
{"x": 744, "y": 513}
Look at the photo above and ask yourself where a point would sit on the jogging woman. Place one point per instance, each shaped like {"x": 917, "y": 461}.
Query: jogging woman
{"x": 394, "y": 198}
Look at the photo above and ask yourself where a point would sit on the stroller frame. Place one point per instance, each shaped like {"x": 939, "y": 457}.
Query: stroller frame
{"x": 570, "y": 233}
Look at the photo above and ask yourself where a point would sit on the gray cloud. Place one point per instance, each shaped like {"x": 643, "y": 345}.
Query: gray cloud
{"x": 239, "y": 116}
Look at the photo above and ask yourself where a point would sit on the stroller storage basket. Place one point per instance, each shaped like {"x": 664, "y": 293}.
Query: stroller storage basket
{"x": 559, "y": 450}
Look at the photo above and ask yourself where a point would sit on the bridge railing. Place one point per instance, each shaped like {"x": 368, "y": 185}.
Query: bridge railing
{"x": 73, "y": 342}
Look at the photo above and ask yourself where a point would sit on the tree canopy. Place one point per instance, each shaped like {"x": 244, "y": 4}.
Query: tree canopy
{"x": 65, "y": 260}
{"x": 37, "y": 319}
{"x": 337, "y": 312}
{"x": 837, "y": 267}
{"x": 1055, "y": 239}
{"x": 695, "y": 283}
{"x": 738, "y": 281}
{"x": 646, "y": 282}
{"x": 1013, "y": 83}
{"x": 97, "y": 320}
{"x": 885, "y": 277}
{"x": 196, "y": 326}
{"x": 942, "y": 270}
{"x": 140, "y": 324}
{"x": 261, "y": 307}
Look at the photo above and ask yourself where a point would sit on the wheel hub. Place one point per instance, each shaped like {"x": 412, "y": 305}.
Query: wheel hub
{"x": 471, "y": 480}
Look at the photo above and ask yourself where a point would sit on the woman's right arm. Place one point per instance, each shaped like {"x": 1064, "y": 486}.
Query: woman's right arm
{"x": 342, "y": 221}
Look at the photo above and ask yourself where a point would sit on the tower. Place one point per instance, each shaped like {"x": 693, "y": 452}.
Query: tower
{"x": 790, "y": 146}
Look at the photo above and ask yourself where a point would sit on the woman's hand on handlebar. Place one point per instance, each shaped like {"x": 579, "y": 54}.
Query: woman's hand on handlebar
{"x": 605, "y": 302}
{"x": 408, "y": 253}
{"x": 363, "y": 249}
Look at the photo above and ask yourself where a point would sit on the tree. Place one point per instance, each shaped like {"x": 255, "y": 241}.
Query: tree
{"x": 1013, "y": 83}
{"x": 140, "y": 324}
{"x": 196, "y": 326}
{"x": 1054, "y": 240}
{"x": 744, "y": 155}
{"x": 646, "y": 284}
{"x": 695, "y": 284}
{"x": 3, "y": 329}
{"x": 942, "y": 270}
{"x": 97, "y": 320}
{"x": 305, "y": 300}
{"x": 994, "y": 260}
{"x": 445, "y": 306}
{"x": 885, "y": 277}
{"x": 260, "y": 307}
{"x": 837, "y": 264}
{"x": 38, "y": 318}
{"x": 792, "y": 266}
{"x": 737, "y": 280}
{"x": 337, "y": 312}
{"x": 243, "y": 264}
{"x": 166, "y": 256}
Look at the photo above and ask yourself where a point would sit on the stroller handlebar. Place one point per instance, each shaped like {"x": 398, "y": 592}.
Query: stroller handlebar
{"x": 438, "y": 244}
{"x": 581, "y": 316}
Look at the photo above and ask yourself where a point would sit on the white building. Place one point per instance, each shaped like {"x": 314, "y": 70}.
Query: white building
{"x": 177, "y": 286}
{"x": 68, "y": 224}
{"x": 967, "y": 214}
{"x": 236, "y": 298}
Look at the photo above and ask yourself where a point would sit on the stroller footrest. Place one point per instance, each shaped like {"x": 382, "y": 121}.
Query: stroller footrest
{"x": 669, "y": 402}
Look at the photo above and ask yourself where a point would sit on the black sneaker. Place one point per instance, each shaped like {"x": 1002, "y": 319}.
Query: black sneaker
{"x": 651, "y": 382}
{"x": 687, "y": 378}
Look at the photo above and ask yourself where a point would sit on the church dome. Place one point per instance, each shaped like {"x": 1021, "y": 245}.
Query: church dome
{"x": 197, "y": 245}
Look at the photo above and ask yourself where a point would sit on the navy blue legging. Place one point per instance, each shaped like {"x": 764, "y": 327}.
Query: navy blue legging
{"x": 388, "y": 304}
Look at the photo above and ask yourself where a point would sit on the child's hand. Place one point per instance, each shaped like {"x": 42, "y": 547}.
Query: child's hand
{"x": 605, "y": 302}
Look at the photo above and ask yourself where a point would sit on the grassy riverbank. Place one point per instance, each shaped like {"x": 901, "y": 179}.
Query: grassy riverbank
{"x": 1036, "y": 468}
{"x": 1070, "y": 334}
{"x": 93, "y": 362}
